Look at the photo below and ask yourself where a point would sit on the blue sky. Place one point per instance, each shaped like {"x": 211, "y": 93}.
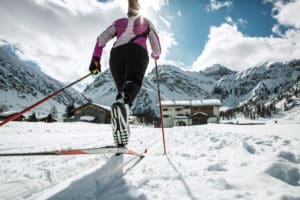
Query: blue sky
{"x": 191, "y": 28}
{"x": 60, "y": 35}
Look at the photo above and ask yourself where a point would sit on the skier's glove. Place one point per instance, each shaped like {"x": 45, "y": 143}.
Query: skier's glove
{"x": 95, "y": 65}
{"x": 155, "y": 57}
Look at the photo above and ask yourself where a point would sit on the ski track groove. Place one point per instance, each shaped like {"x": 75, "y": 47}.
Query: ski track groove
{"x": 114, "y": 177}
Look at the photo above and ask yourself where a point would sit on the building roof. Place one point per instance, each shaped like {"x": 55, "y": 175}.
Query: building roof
{"x": 199, "y": 113}
{"x": 201, "y": 102}
{"x": 103, "y": 106}
{"x": 8, "y": 113}
{"x": 93, "y": 104}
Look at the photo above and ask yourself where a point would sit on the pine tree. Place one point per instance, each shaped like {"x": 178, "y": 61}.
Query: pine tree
{"x": 69, "y": 110}
{"x": 3, "y": 108}
{"x": 32, "y": 118}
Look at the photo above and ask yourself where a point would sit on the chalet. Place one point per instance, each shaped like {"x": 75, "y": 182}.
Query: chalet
{"x": 190, "y": 112}
{"x": 91, "y": 112}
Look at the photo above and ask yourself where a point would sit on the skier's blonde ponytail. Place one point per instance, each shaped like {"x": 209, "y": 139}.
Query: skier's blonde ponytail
{"x": 133, "y": 8}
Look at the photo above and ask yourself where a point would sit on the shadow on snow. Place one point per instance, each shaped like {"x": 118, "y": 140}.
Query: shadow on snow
{"x": 105, "y": 183}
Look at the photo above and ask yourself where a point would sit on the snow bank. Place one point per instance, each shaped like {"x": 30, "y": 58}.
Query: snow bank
{"x": 285, "y": 173}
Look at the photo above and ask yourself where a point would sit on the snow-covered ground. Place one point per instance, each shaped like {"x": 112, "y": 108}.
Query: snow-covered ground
{"x": 210, "y": 162}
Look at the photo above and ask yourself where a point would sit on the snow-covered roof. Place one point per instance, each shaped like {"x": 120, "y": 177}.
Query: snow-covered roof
{"x": 8, "y": 113}
{"x": 98, "y": 105}
{"x": 102, "y": 106}
{"x": 201, "y": 102}
{"x": 200, "y": 113}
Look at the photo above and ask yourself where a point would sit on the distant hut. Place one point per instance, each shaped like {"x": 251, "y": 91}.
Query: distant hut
{"x": 91, "y": 112}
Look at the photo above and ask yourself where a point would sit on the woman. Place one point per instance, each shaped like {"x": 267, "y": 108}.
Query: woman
{"x": 128, "y": 63}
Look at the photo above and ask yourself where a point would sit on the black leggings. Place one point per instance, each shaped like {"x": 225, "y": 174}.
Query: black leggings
{"x": 128, "y": 64}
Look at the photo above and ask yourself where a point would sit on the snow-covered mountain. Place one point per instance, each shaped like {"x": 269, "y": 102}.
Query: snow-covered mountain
{"x": 174, "y": 84}
{"x": 22, "y": 84}
{"x": 262, "y": 82}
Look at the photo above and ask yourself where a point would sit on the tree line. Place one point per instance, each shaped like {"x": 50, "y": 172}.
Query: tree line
{"x": 255, "y": 109}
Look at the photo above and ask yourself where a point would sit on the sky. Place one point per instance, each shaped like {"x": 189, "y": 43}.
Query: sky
{"x": 59, "y": 35}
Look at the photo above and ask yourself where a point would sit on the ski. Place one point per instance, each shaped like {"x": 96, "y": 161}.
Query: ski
{"x": 100, "y": 150}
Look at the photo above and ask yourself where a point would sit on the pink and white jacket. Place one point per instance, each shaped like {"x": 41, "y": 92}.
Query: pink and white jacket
{"x": 125, "y": 29}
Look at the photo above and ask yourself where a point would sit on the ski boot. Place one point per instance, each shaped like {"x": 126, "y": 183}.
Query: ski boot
{"x": 120, "y": 123}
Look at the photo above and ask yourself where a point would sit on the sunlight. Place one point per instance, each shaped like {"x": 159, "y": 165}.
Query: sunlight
{"x": 123, "y": 5}
{"x": 146, "y": 6}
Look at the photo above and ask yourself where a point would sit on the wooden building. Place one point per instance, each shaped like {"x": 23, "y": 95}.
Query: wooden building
{"x": 199, "y": 118}
{"x": 91, "y": 112}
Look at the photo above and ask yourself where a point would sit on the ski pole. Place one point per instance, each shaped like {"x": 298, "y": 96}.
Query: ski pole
{"x": 160, "y": 108}
{"x": 17, "y": 115}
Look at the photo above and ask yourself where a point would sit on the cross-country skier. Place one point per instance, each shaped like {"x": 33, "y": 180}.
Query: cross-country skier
{"x": 128, "y": 63}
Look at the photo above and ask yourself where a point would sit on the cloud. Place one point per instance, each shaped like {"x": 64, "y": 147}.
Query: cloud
{"x": 229, "y": 20}
{"x": 166, "y": 22}
{"x": 287, "y": 12}
{"x": 216, "y": 5}
{"x": 242, "y": 21}
{"x": 227, "y": 45}
{"x": 239, "y": 21}
{"x": 154, "y": 4}
{"x": 167, "y": 41}
{"x": 60, "y": 35}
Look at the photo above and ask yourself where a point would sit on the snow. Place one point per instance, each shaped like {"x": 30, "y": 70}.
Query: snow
{"x": 214, "y": 161}
{"x": 87, "y": 118}
{"x": 201, "y": 102}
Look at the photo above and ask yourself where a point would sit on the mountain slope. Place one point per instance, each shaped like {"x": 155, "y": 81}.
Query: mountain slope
{"x": 22, "y": 85}
{"x": 260, "y": 83}
{"x": 174, "y": 84}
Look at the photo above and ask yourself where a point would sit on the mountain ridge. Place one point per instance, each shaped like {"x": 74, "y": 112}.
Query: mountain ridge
{"x": 23, "y": 84}
{"x": 217, "y": 81}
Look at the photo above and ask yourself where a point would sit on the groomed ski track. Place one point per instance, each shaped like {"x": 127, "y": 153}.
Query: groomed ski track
{"x": 210, "y": 162}
{"x": 99, "y": 176}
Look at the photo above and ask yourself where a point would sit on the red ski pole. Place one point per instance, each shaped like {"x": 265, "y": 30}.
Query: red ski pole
{"x": 160, "y": 109}
{"x": 17, "y": 115}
